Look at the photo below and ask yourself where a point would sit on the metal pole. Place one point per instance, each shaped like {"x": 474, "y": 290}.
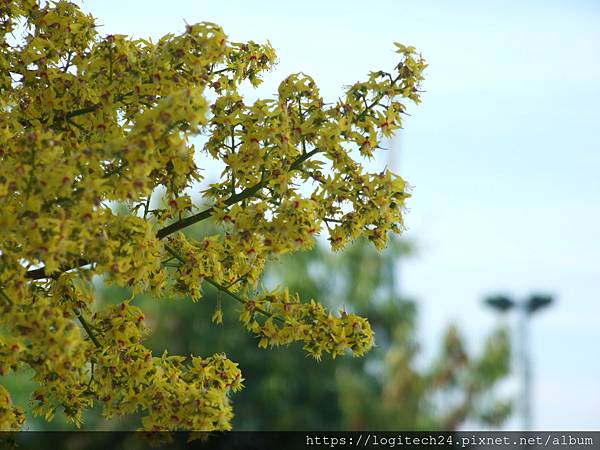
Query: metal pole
{"x": 525, "y": 368}
{"x": 525, "y": 310}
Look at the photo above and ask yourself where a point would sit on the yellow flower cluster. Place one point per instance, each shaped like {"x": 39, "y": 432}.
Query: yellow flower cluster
{"x": 47, "y": 339}
{"x": 289, "y": 320}
{"x": 87, "y": 121}
{"x": 11, "y": 417}
{"x": 173, "y": 395}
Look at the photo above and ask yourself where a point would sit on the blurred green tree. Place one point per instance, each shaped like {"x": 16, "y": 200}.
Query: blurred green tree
{"x": 388, "y": 389}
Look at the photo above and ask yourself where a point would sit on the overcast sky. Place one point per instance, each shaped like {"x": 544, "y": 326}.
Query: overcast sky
{"x": 503, "y": 154}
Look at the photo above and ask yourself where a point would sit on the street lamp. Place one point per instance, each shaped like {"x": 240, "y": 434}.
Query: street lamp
{"x": 526, "y": 308}
{"x": 500, "y": 303}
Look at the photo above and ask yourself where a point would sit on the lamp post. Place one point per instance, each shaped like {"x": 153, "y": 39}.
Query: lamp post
{"x": 526, "y": 309}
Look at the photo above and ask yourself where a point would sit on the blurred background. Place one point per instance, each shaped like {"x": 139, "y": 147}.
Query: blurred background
{"x": 503, "y": 156}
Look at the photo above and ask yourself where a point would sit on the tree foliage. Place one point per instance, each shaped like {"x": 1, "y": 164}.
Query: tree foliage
{"x": 87, "y": 120}
{"x": 393, "y": 387}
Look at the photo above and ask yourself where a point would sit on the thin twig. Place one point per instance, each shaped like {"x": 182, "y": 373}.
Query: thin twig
{"x": 234, "y": 282}
{"x": 222, "y": 288}
{"x": 147, "y": 205}
{"x": 6, "y": 297}
{"x": 88, "y": 329}
{"x": 180, "y": 224}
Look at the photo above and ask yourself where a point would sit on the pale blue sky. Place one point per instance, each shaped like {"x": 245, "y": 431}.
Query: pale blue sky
{"x": 503, "y": 154}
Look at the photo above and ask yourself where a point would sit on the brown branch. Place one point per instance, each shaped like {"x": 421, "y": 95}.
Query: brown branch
{"x": 40, "y": 273}
{"x": 37, "y": 274}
